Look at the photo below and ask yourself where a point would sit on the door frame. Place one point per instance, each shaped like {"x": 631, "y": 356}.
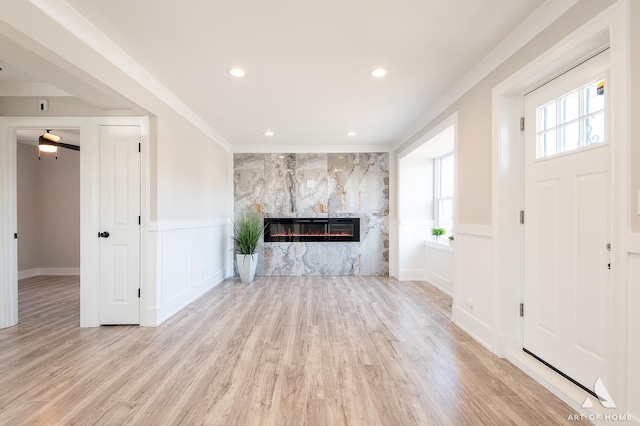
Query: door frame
{"x": 610, "y": 28}
{"x": 89, "y": 212}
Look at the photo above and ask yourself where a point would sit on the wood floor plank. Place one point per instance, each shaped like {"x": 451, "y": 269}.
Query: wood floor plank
{"x": 278, "y": 351}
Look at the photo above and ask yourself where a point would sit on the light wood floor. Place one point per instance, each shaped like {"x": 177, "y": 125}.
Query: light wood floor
{"x": 280, "y": 351}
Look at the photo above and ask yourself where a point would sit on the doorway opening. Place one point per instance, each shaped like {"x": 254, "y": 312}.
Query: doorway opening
{"x": 48, "y": 221}
{"x": 427, "y": 203}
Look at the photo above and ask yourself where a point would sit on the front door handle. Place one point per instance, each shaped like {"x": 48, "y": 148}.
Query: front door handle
{"x": 104, "y": 234}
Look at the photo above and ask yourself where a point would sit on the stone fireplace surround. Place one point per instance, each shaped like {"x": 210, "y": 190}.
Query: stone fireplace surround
{"x": 318, "y": 186}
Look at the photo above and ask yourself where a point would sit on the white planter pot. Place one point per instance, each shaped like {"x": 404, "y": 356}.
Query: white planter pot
{"x": 247, "y": 266}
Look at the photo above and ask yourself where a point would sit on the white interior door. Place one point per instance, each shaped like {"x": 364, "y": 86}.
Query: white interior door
{"x": 567, "y": 223}
{"x": 119, "y": 225}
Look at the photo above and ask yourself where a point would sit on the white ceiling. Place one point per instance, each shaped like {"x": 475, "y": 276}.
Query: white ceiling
{"x": 307, "y": 62}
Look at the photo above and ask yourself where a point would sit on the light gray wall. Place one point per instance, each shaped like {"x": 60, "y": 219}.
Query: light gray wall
{"x": 28, "y": 249}
{"x": 48, "y": 209}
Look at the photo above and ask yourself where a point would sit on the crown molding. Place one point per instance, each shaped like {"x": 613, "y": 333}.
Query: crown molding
{"x": 79, "y": 26}
{"x": 544, "y": 16}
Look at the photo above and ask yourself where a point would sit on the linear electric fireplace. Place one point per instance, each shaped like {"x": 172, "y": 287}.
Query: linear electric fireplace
{"x": 311, "y": 229}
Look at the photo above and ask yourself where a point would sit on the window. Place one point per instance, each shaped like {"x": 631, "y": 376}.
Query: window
{"x": 444, "y": 192}
{"x": 571, "y": 122}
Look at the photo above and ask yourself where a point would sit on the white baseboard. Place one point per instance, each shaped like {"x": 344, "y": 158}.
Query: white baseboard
{"x": 566, "y": 391}
{"x": 185, "y": 298}
{"x": 412, "y": 275}
{"x": 440, "y": 282}
{"x": 35, "y": 272}
{"x": 477, "y": 329}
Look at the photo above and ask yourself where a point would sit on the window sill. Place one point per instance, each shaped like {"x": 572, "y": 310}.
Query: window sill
{"x": 444, "y": 246}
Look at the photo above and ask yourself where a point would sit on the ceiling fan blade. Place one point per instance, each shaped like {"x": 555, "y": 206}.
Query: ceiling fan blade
{"x": 68, "y": 146}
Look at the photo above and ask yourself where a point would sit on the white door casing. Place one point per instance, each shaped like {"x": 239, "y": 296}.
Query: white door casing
{"x": 119, "y": 217}
{"x": 567, "y": 227}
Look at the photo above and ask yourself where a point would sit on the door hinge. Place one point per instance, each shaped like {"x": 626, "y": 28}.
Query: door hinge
{"x": 139, "y": 147}
{"x": 522, "y": 309}
{"x": 522, "y": 124}
{"x": 138, "y": 292}
{"x": 608, "y": 266}
{"x": 15, "y": 235}
{"x": 139, "y": 220}
{"x": 521, "y": 217}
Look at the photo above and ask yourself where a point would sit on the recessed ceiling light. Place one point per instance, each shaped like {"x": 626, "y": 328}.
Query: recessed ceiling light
{"x": 237, "y": 72}
{"x": 378, "y": 72}
{"x": 351, "y": 133}
{"x": 269, "y": 133}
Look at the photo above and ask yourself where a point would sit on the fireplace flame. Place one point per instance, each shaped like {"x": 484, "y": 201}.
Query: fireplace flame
{"x": 312, "y": 234}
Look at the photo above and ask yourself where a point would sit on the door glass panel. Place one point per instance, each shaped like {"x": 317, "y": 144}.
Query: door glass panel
{"x": 592, "y": 101}
{"x": 547, "y": 116}
{"x": 571, "y": 122}
{"x": 569, "y": 106}
{"x": 593, "y": 129}
{"x": 546, "y": 144}
{"x": 569, "y": 137}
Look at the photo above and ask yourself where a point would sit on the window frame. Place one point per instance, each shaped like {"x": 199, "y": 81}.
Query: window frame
{"x": 437, "y": 193}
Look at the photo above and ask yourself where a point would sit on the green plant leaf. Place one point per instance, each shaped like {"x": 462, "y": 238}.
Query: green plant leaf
{"x": 247, "y": 232}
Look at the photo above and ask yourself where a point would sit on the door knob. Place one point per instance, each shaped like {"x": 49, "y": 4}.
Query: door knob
{"x": 104, "y": 234}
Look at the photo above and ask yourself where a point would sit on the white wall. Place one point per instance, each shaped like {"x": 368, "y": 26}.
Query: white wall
{"x": 48, "y": 212}
{"x": 415, "y": 201}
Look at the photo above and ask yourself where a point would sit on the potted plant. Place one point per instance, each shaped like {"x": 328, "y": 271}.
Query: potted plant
{"x": 437, "y": 232}
{"x": 247, "y": 232}
{"x": 451, "y": 238}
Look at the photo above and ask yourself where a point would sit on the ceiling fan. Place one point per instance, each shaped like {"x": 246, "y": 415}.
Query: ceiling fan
{"x": 50, "y": 143}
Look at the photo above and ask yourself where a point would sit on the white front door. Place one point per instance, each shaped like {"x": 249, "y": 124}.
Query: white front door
{"x": 119, "y": 225}
{"x": 567, "y": 222}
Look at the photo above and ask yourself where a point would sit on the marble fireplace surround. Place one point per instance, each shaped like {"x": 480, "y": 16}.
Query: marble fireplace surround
{"x": 311, "y": 185}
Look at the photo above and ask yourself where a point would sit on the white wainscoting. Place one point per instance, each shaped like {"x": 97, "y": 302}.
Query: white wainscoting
{"x": 634, "y": 319}
{"x": 439, "y": 265}
{"x": 192, "y": 258}
{"x": 473, "y": 276}
{"x": 412, "y": 265}
{"x": 35, "y": 272}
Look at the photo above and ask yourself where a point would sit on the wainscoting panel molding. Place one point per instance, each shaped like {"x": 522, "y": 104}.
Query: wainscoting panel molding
{"x": 473, "y": 289}
{"x": 440, "y": 266}
{"x": 192, "y": 259}
{"x": 634, "y": 339}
